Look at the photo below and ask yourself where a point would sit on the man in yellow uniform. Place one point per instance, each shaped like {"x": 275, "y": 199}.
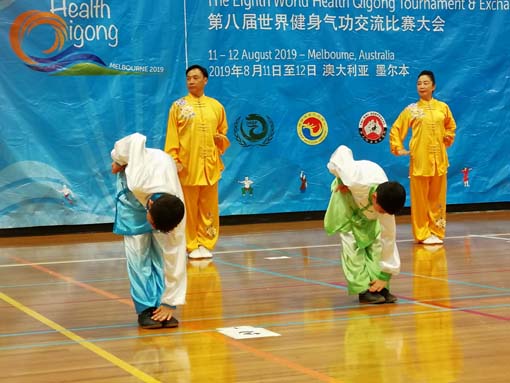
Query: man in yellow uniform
{"x": 433, "y": 130}
{"x": 196, "y": 139}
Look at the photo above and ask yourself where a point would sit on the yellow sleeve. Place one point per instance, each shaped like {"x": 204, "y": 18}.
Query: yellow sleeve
{"x": 172, "y": 137}
{"x": 449, "y": 126}
{"x": 223, "y": 142}
{"x": 399, "y": 131}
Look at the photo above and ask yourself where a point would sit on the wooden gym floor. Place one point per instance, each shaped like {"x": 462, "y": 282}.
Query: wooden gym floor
{"x": 66, "y": 314}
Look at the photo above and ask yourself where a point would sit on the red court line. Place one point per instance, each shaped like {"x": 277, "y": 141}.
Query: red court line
{"x": 74, "y": 281}
{"x": 475, "y": 312}
{"x": 432, "y": 303}
{"x": 480, "y": 272}
{"x": 262, "y": 354}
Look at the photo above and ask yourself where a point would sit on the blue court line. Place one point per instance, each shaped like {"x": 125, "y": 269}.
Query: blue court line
{"x": 263, "y": 271}
{"x": 416, "y": 302}
{"x": 470, "y": 297}
{"x": 338, "y": 261}
{"x": 75, "y": 329}
{"x": 292, "y": 252}
{"x": 274, "y": 273}
{"x": 201, "y": 319}
{"x": 101, "y": 340}
{"x": 457, "y": 282}
{"x": 56, "y": 283}
{"x": 230, "y": 317}
{"x": 296, "y": 254}
{"x": 438, "y": 310}
{"x": 286, "y": 267}
{"x": 401, "y": 300}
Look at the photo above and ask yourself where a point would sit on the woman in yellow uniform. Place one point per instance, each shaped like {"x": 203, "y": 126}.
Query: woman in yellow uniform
{"x": 433, "y": 130}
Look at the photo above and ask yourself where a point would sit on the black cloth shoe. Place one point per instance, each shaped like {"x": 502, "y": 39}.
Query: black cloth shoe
{"x": 170, "y": 323}
{"x": 372, "y": 298}
{"x": 145, "y": 320}
{"x": 389, "y": 297}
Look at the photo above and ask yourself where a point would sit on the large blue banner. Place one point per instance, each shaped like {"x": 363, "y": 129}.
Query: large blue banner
{"x": 297, "y": 79}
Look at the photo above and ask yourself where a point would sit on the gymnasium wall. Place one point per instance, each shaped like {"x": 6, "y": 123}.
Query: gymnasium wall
{"x": 297, "y": 79}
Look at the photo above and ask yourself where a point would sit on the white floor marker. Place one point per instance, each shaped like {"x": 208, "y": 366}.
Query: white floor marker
{"x": 246, "y": 332}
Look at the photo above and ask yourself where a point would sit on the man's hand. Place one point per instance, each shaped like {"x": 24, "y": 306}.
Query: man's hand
{"x": 162, "y": 313}
{"x": 402, "y": 152}
{"x": 179, "y": 167}
{"x": 377, "y": 285}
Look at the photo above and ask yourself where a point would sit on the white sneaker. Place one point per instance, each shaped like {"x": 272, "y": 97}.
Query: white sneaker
{"x": 432, "y": 240}
{"x": 205, "y": 252}
{"x": 432, "y": 248}
{"x": 195, "y": 254}
{"x": 200, "y": 264}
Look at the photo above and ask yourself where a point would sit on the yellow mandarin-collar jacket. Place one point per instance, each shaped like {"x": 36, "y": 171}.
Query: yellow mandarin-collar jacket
{"x": 433, "y": 130}
{"x": 192, "y": 126}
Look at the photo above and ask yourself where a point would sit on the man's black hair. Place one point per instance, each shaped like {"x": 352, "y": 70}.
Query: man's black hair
{"x": 167, "y": 212}
{"x": 391, "y": 196}
{"x": 200, "y": 68}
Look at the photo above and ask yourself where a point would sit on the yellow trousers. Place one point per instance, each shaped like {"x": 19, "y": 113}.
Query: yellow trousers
{"x": 202, "y": 216}
{"x": 428, "y": 206}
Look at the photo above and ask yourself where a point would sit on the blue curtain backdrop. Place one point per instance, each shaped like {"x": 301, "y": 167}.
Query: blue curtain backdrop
{"x": 297, "y": 79}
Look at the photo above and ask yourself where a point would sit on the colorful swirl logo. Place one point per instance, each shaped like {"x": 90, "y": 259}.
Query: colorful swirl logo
{"x": 312, "y": 128}
{"x": 70, "y": 61}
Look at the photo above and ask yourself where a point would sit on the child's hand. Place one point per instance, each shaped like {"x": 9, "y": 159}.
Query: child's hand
{"x": 377, "y": 285}
{"x": 162, "y": 313}
{"x": 116, "y": 168}
{"x": 342, "y": 189}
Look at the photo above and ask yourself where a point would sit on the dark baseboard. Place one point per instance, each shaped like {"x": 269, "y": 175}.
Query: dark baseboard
{"x": 231, "y": 220}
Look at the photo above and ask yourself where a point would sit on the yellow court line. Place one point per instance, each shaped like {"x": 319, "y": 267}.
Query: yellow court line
{"x": 265, "y": 355}
{"x": 81, "y": 341}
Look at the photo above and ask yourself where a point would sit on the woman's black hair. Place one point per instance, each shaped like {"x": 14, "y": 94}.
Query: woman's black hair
{"x": 428, "y": 73}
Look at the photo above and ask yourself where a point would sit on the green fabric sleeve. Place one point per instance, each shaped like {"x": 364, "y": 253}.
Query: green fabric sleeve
{"x": 384, "y": 276}
{"x": 339, "y": 212}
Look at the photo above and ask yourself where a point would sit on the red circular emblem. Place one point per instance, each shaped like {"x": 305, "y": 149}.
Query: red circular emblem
{"x": 372, "y": 127}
